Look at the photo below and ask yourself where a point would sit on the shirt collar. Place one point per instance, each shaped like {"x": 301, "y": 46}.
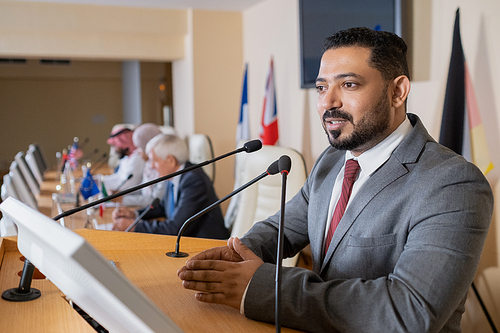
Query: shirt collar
{"x": 373, "y": 158}
{"x": 175, "y": 180}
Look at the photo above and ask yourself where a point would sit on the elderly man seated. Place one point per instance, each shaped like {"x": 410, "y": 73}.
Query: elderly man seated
{"x": 186, "y": 195}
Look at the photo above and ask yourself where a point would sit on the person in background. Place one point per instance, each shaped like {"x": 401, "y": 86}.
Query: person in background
{"x": 396, "y": 221}
{"x": 142, "y": 135}
{"x": 185, "y": 195}
{"x": 131, "y": 162}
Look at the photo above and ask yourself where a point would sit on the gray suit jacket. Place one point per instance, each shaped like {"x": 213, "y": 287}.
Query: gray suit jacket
{"x": 403, "y": 256}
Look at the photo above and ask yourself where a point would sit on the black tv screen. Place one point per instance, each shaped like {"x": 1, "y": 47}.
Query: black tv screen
{"x": 322, "y": 18}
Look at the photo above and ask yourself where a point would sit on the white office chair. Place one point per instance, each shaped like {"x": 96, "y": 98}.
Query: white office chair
{"x": 39, "y": 155}
{"x": 21, "y": 187}
{"x": 27, "y": 174}
{"x": 263, "y": 199}
{"x": 33, "y": 165}
{"x": 7, "y": 227}
{"x": 8, "y": 189}
{"x": 201, "y": 150}
{"x": 167, "y": 130}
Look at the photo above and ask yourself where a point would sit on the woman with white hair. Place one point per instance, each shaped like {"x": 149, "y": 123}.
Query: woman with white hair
{"x": 141, "y": 137}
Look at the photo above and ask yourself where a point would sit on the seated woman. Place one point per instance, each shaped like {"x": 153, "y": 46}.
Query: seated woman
{"x": 142, "y": 135}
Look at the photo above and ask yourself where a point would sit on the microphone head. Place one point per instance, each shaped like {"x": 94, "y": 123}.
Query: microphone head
{"x": 284, "y": 164}
{"x": 252, "y": 146}
{"x": 273, "y": 168}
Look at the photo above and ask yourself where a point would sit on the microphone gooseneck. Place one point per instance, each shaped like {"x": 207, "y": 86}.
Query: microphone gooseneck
{"x": 250, "y": 146}
{"x": 284, "y": 165}
{"x": 100, "y": 161}
{"x": 271, "y": 170}
{"x": 123, "y": 183}
{"x": 153, "y": 205}
{"x": 28, "y": 293}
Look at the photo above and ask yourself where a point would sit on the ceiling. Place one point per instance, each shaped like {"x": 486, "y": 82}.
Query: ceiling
{"x": 229, "y": 5}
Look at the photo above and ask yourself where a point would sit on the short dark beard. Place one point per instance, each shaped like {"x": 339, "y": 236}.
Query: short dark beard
{"x": 368, "y": 132}
{"x": 122, "y": 153}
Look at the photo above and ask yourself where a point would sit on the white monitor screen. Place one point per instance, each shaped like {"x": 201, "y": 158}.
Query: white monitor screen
{"x": 83, "y": 274}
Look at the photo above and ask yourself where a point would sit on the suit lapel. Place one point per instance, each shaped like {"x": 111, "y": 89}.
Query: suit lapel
{"x": 322, "y": 198}
{"x": 394, "y": 168}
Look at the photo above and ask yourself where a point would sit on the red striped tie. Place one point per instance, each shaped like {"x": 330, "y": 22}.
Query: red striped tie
{"x": 350, "y": 173}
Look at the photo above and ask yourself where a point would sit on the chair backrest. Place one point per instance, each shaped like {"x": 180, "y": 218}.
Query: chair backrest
{"x": 201, "y": 150}
{"x": 263, "y": 199}
{"x": 39, "y": 156}
{"x": 167, "y": 130}
{"x": 21, "y": 187}
{"x": 28, "y": 175}
{"x": 7, "y": 227}
{"x": 33, "y": 165}
{"x": 8, "y": 189}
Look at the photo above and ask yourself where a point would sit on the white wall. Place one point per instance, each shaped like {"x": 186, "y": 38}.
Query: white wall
{"x": 271, "y": 28}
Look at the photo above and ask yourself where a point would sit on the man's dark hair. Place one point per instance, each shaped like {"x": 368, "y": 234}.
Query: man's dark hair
{"x": 388, "y": 50}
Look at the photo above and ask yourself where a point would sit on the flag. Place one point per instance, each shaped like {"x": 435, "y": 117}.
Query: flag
{"x": 242, "y": 134}
{"x": 72, "y": 155}
{"x": 88, "y": 187}
{"x": 269, "y": 125}
{"x": 104, "y": 194}
{"x": 461, "y": 126}
{"x": 75, "y": 153}
{"x": 243, "y": 128}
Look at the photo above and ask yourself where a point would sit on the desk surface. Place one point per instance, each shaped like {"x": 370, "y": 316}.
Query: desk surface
{"x": 141, "y": 257}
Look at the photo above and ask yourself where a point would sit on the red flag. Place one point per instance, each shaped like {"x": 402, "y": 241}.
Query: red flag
{"x": 269, "y": 125}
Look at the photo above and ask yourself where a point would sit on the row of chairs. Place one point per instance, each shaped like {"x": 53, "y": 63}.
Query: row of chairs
{"x": 23, "y": 181}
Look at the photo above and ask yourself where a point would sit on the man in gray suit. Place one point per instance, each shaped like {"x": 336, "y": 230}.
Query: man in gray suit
{"x": 404, "y": 253}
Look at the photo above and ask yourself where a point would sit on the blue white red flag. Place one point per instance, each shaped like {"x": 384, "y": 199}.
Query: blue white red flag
{"x": 269, "y": 126}
{"x": 72, "y": 155}
{"x": 243, "y": 128}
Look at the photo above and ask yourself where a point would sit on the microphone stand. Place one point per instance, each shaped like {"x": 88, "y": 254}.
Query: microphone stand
{"x": 153, "y": 205}
{"x": 248, "y": 147}
{"x": 284, "y": 167}
{"x": 25, "y": 293}
{"x": 271, "y": 170}
{"x": 100, "y": 161}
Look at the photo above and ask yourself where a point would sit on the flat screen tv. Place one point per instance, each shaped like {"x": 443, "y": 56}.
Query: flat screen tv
{"x": 83, "y": 274}
{"x": 319, "y": 19}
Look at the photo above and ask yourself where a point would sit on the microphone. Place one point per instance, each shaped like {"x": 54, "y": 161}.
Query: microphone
{"x": 84, "y": 143}
{"x": 123, "y": 183}
{"x": 248, "y": 147}
{"x": 100, "y": 161}
{"x": 89, "y": 156}
{"x": 284, "y": 165}
{"x": 271, "y": 170}
{"x": 154, "y": 204}
{"x": 28, "y": 293}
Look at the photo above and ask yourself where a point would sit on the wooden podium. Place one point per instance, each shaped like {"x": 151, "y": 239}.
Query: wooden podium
{"x": 141, "y": 257}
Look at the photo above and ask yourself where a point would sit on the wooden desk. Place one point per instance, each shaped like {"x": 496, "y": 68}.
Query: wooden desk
{"x": 141, "y": 257}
